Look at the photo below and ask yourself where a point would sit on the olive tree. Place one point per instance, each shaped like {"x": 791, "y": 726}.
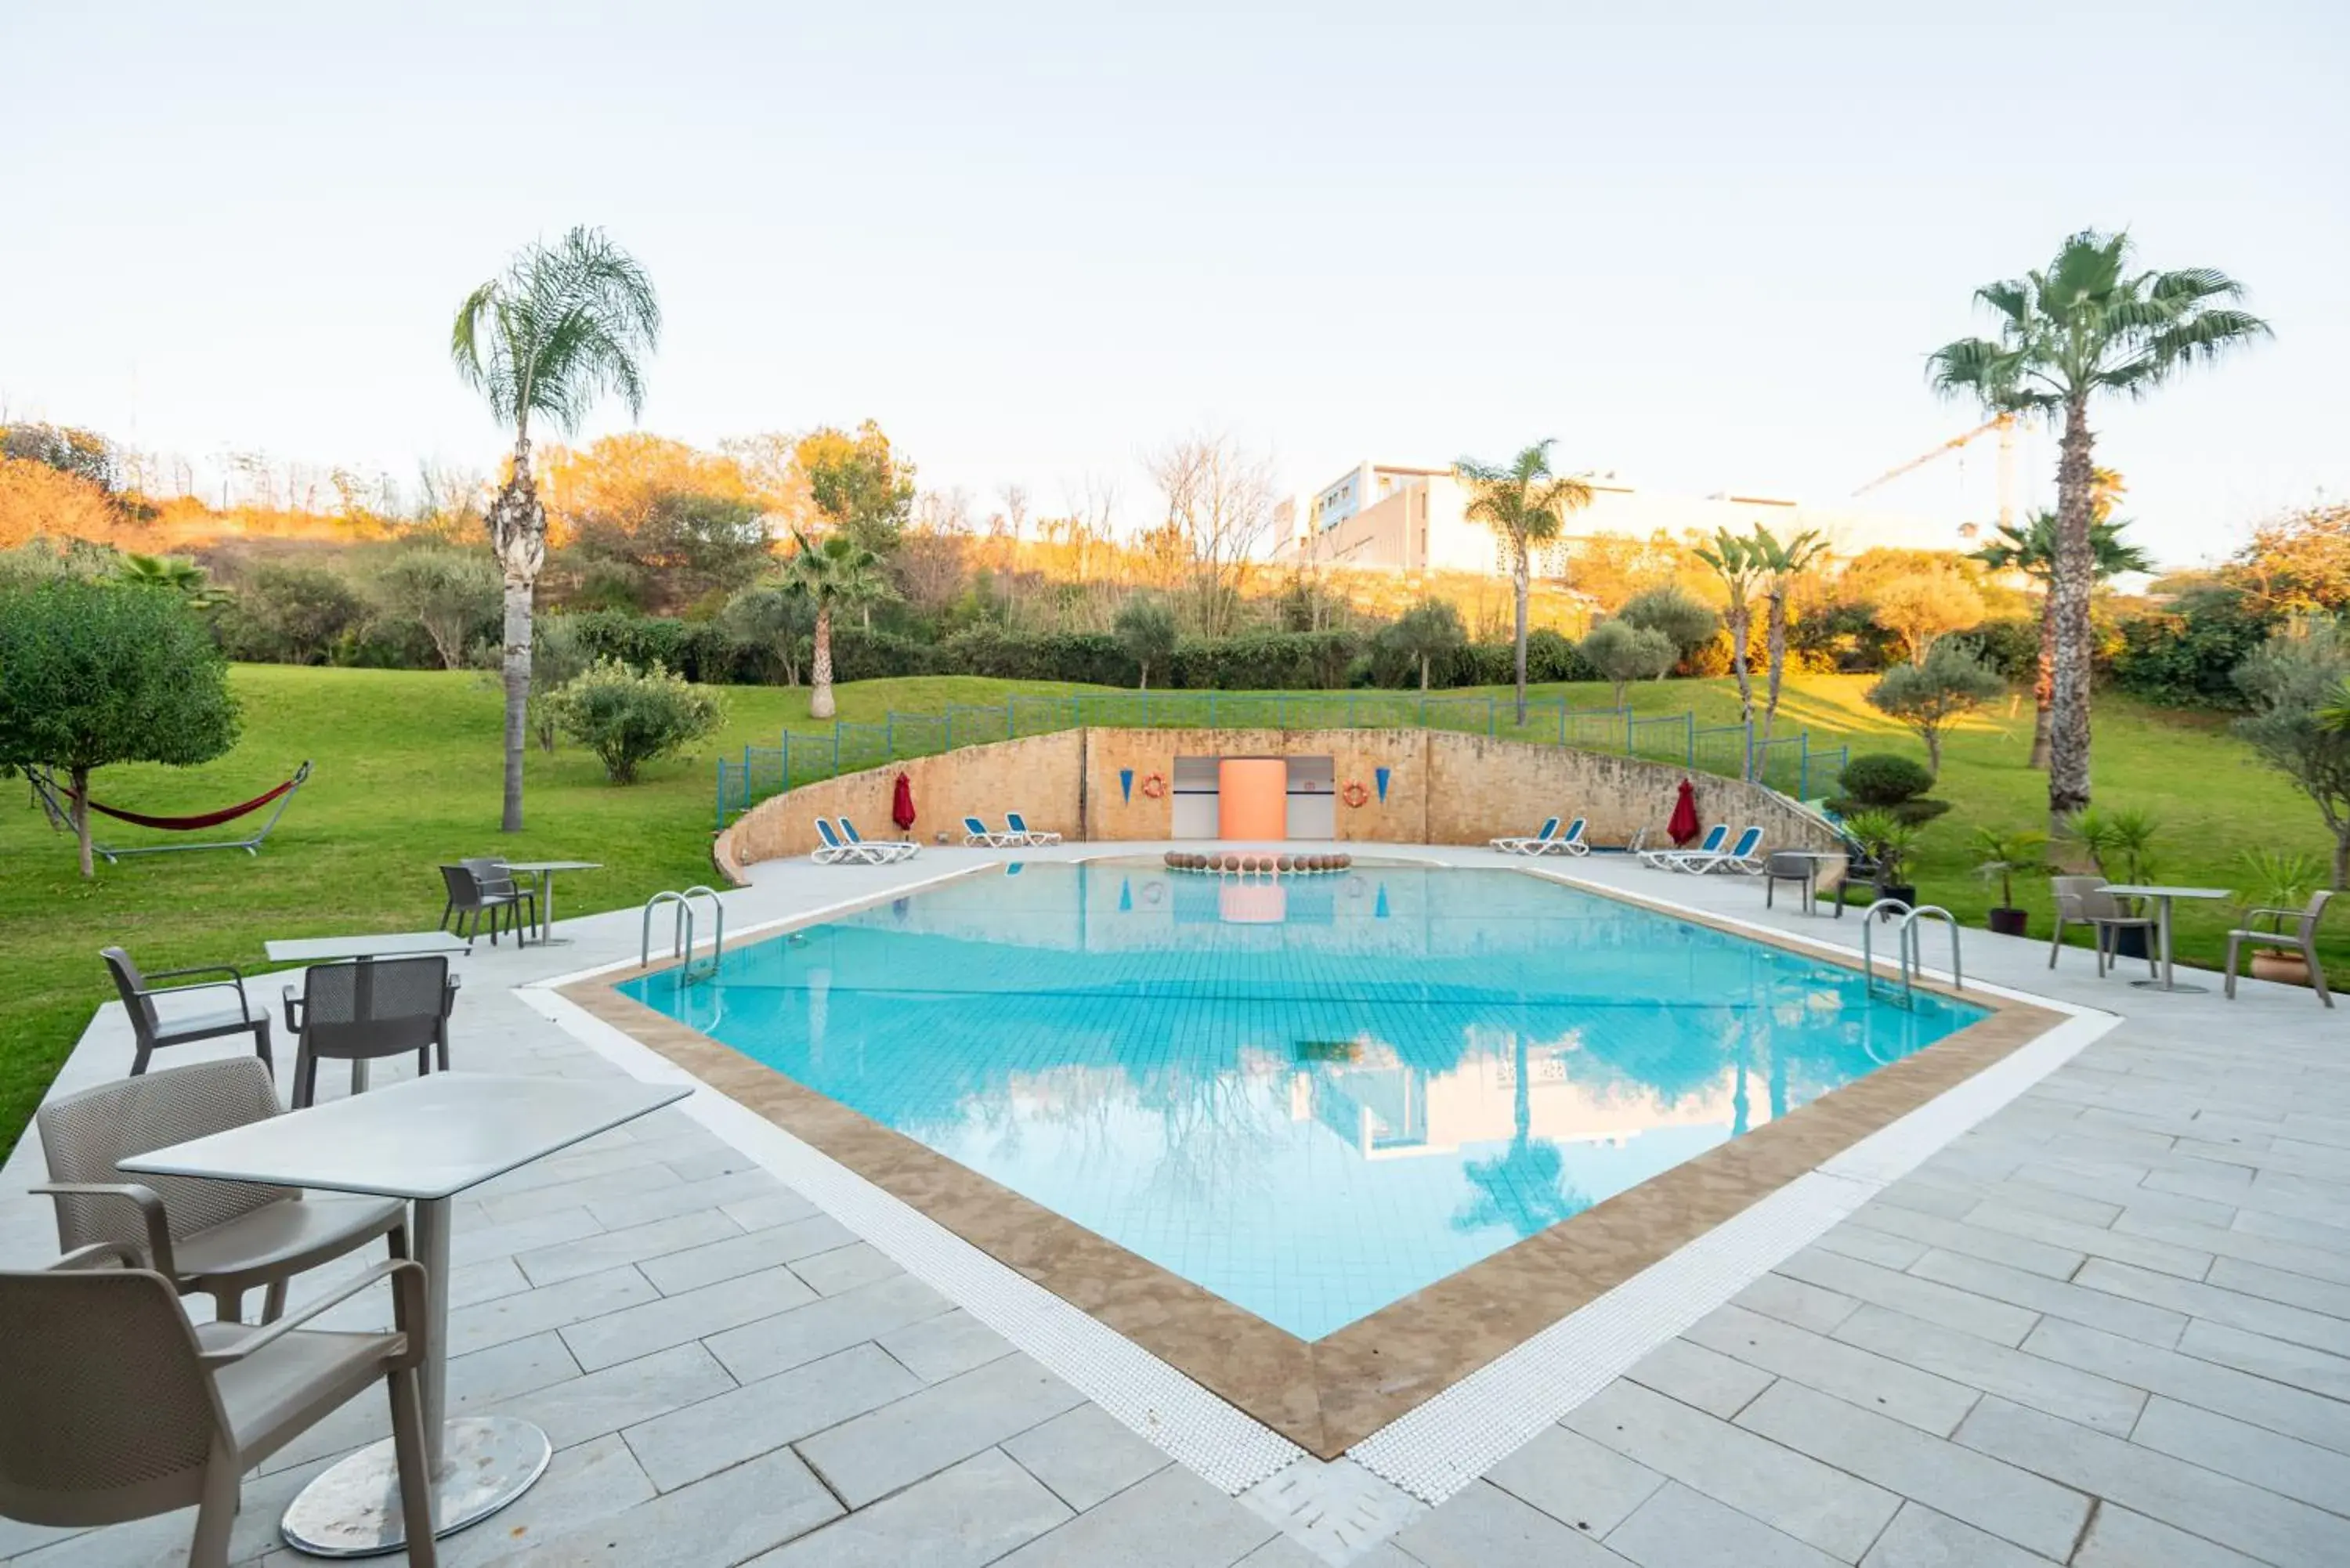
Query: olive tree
{"x": 1624, "y": 653}
{"x": 1930, "y": 696}
{"x": 1429, "y": 631}
{"x": 2299, "y": 722}
{"x": 452, "y": 594}
{"x": 92, "y": 674}
{"x": 629, "y": 717}
{"x": 1680, "y": 615}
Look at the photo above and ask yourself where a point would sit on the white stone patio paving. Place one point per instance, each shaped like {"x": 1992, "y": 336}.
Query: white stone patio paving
{"x": 2110, "y": 1326}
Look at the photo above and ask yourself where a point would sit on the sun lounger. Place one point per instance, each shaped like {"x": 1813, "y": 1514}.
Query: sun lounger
{"x": 1524, "y": 845}
{"x": 1741, "y": 858}
{"x": 1028, "y": 834}
{"x": 890, "y": 848}
{"x": 978, "y": 835}
{"x": 837, "y": 851}
{"x": 1568, "y": 843}
{"x": 1661, "y": 859}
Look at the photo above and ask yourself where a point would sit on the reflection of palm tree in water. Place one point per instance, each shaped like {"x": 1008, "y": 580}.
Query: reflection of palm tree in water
{"x": 1520, "y": 1189}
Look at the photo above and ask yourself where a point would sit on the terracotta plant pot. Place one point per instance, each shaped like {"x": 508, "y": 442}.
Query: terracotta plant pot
{"x": 2286, "y": 967}
{"x": 2011, "y": 922}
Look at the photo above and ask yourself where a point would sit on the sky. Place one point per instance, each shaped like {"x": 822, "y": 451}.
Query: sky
{"x": 1706, "y": 253}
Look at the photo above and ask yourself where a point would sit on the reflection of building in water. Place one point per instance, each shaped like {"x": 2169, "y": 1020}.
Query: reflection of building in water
{"x": 1383, "y": 1108}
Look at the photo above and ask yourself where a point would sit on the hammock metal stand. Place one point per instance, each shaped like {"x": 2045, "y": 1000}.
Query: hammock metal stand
{"x": 55, "y": 802}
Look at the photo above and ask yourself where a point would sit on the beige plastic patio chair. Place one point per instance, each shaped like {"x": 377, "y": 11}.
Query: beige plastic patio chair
{"x": 152, "y": 1032}
{"x": 2083, "y": 901}
{"x": 119, "y": 1408}
{"x": 2303, "y": 936}
{"x": 219, "y": 1237}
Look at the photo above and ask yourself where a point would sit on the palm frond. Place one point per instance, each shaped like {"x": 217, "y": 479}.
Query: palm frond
{"x": 561, "y": 328}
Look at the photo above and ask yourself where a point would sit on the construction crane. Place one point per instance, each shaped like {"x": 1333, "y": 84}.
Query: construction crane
{"x": 2005, "y": 425}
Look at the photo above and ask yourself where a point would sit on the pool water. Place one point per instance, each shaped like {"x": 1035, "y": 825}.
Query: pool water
{"x": 1312, "y": 1097}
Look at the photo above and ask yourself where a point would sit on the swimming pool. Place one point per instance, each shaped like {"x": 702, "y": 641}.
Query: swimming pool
{"x": 1311, "y": 1097}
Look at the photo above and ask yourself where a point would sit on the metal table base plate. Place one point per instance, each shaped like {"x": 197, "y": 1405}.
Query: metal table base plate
{"x": 2181, "y": 987}
{"x": 353, "y": 1510}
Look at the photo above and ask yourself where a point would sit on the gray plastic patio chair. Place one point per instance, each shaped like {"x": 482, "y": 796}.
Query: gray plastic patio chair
{"x": 2304, "y": 937}
{"x": 497, "y": 885}
{"x": 119, "y": 1408}
{"x": 219, "y": 1237}
{"x": 466, "y": 897}
{"x": 1783, "y": 866}
{"x": 153, "y": 1031}
{"x": 362, "y": 1012}
{"x": 2083, "y": 901}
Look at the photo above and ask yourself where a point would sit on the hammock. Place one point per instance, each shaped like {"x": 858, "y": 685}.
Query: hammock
{"x": 55, "y": 802}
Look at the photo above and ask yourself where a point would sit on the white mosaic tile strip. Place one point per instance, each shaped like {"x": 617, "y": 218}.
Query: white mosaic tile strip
{"x": 1444, "y": 1445}
{"x": 1228, "y": 1448}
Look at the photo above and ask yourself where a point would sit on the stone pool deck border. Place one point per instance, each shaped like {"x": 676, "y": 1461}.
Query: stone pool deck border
{"x": 1328, "y": 1395}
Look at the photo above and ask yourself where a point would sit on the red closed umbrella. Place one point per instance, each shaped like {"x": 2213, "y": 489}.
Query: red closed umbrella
{"x": 1684, "y": 827}
{"x": 902, "y": 805}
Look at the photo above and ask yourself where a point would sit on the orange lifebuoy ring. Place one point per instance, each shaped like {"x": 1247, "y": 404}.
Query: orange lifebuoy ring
{"x": 1354, "y": 795}
{"x": 1154, "y": 786}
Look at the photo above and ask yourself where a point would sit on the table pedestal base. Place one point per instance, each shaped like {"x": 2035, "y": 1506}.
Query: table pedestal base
{"x": 353, "y": 1510}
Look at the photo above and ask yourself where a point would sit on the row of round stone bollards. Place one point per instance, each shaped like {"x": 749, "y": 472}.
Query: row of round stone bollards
{"x": 1256, "y": 863}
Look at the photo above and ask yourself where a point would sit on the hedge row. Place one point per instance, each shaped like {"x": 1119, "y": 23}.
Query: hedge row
{"x": 1300, "y": 660}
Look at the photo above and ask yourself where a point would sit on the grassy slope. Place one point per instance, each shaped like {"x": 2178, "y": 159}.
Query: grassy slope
{"x": 407, "y": 777}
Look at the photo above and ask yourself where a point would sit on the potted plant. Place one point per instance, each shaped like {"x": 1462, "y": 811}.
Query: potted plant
{"x": 2120, "y": 844}
{"x": 1888, "y": 840}
{"x": 2280, "y": 881}
{"x": 2007, "y": 855}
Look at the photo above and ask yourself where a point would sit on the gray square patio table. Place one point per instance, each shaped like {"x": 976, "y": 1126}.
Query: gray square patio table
{"x": 425, "y": 1140}
{"x": 545, "y": 871}
{"x": 2162, "y": 896}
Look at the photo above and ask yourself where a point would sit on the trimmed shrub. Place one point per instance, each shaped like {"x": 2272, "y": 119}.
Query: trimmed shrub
{"x": 1888, "y": 781}
{"x": 628, "y": 719}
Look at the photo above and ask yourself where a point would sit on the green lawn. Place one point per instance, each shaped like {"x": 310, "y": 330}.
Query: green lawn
{"x": 407, "y": 777}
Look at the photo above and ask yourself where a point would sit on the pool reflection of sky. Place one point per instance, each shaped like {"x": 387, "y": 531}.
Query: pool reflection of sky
{"x": 1311, "y": 1098}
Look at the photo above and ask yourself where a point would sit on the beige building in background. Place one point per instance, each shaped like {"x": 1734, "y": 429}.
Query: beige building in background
{"x": 1388, "y": 518}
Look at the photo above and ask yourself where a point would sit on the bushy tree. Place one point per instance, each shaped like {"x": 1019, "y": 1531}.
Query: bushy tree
{"x": 96, "y": 673}
{"x": 1926, "y": 607}
{"x": 1624, "y": 653}
{"x": 861, "y": 487}
{"x": 1146, "y": 630}
{"x": 2300, "y": 725}
{"x": 1429, "y": 631}
{"x": 298, "y": 611}
{"x": 1680, "y": 615}
{"x": 452, "y": 594}
{"x": 629, "y": 717}
{"x": 774, "y": 621}
{"x": 1932, "y": 695}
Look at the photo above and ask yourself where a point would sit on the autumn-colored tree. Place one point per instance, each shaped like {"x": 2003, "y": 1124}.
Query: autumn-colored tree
{"x": 857, "y": 485}
{"x": 1922, "y": 608}
{"x": 2298, "y": 564}
{"x": 38, "y": 501}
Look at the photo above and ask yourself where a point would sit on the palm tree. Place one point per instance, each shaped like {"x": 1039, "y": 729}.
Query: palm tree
{"x": 1781, "y": 565}
{"x": 835, "y": 573}
{"x": 1526, "y": 506}
{"x": 547, "y": 337}
{"x": 2087, "y": 324}
{"x": 2031, "y": 550}
{"x": 1733, "y": 560}
{"x": 180, "y": 574}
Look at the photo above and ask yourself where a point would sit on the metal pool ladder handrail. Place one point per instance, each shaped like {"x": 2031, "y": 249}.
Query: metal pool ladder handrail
{"x": 1868, "y": 946}
{"x": 1912, "y": 957}
{"x": 681, "y": 937}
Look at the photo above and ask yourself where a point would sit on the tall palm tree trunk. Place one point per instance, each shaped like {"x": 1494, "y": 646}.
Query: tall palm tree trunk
{"x": 2068, "y": 733}
{"x": 1521, "y": 582}
{"x": 820, "y": 705}
{"x": 2044, "y": 681}
{"x": 1742, "y": 626}
{"x": 1778, "y": 624}
{"x": 517, "y": 529}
